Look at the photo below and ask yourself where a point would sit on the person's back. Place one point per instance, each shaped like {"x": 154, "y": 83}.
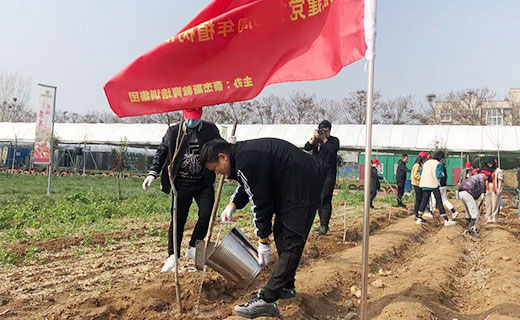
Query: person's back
{"x": 429, "y": 178}
{"x": 474, "y": 185}
{"x": 292, "y": 173}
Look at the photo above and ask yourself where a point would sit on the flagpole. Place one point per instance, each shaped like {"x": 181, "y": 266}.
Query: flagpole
{"x": 368, "y": 167}
{"x": 370, "y": 40}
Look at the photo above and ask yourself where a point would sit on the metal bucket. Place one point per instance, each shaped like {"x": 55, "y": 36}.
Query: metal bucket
{"x": 235, "y": 258}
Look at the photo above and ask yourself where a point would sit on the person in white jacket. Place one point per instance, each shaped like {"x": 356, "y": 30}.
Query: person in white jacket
{"x": 494, "y": 188}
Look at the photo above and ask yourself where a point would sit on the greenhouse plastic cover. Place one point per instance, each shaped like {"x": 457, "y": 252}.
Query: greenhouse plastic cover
{"x": 351, "y": 137}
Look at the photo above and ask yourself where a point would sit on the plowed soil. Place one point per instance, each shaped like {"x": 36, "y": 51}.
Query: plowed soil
{"x": 416, "y": 272}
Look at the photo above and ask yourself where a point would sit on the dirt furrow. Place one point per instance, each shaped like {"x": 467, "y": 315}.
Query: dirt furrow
{"x": 488, "y": 282}
{"x": 453, "y": 276}
{"x": 325, "y": 286}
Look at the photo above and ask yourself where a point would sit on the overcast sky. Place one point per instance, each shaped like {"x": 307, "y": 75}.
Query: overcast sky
{"x": 422, "y": 46}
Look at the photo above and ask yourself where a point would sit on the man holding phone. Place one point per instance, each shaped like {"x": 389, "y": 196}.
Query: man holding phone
{"x": 325, "y": 147}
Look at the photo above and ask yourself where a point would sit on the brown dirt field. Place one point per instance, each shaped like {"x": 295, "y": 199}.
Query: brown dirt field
{"x": 116, "y": 275}
{"x": 416, "y": 272}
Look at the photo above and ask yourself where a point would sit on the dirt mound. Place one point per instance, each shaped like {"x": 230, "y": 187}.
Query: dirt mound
{"x": 403, "y": 310}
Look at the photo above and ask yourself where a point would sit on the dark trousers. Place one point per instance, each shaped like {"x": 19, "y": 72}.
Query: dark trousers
{"x": 325, "y": 209}
{"x": 418, "y": 199}
{"x": 438, "y": 200}
{"x": 400, "y": 192}
{"x": 373, "y": 194}
{"x": 204, "y": 196}
{"x": 289, "y": 245}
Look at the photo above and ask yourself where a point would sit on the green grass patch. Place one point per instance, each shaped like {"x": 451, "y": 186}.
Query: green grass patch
{"x": 80, "y": 205}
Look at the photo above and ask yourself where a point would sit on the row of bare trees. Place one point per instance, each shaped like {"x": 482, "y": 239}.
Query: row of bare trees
{"x": 465, "y": 106}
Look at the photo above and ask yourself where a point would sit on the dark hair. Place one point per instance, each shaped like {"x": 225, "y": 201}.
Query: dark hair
{"x": 325, "y": 124}
{"x": 404, "y": 155}
{"x": 419, "y": 160}
{"x": 210, "y": 150}
{"x": 439, "y": 155}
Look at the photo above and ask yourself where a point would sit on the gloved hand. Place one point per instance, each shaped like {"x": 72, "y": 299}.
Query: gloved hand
{"x": 264, "y": 254}
{"x": 227, "y": 214}
{"x": 148, "y": 181}
{"x": 232, "y": 139}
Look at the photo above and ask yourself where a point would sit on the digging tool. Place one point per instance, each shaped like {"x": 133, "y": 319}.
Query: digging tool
{"x": 174, "y": 215}
{"x": 388, "y": 183}
{"x": 201, "y": 248}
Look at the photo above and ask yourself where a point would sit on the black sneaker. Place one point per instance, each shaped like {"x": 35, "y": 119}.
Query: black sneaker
{"x": 324, "y": 230}
{"x": 257, "y": 307}
{"x": 288, "y": 293}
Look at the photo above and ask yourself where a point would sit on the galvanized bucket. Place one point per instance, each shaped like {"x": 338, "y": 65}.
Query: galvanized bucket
{"x": 235, "y": 258}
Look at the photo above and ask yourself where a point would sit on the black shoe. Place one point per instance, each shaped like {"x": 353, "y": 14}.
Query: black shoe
{"x": 257, "y": 307}
{"x": 323, "y": 231}
{"x": 372, "y": 207}
{"x": 288, "y": 293}
{"x": 402, "y": 205}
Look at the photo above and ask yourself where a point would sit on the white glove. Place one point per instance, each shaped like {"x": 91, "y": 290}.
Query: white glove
{"x": 148, "y": 181}
{"x": 232, "y": 139}
{"x": 227, "y": 214}
{"x": 264, "y": 253}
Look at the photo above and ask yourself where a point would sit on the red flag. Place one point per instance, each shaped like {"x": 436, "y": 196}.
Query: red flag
{"x": 234, "y": 48}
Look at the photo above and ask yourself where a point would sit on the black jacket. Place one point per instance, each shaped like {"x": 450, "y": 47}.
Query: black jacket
{"x": 402, "y": 169}
{"x": 444, "y": 178}
{"x": 205, "y": 132}
{"x": 277, "y": 178}
{"x": 374, "y": 182}
{"x": 327, "y": 152}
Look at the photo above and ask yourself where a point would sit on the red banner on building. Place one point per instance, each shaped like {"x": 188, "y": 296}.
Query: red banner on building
{"x": 234, "y": 48}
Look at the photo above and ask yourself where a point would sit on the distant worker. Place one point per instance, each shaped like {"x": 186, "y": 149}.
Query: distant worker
{"x": 494, "y": 188}
{"x": 375, "y": 185}
{"x": 191, "y": 179}
{"x": 467, "y": 172}
{"x": 400, "y": 178}
{"x": 444, "y": 194}
{"x": 470, "y": 191}
{"x": 416, "y": 180}
{"x": 325, "y": 147}
{"x": 431, "y": 174}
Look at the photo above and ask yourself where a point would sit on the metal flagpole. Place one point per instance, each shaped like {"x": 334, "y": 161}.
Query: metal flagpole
{"x": 368, "y": 167}
{"x": 370, "y": 39}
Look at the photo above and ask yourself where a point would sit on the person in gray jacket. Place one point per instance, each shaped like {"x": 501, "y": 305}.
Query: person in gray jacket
{"x": 469, "y": 191}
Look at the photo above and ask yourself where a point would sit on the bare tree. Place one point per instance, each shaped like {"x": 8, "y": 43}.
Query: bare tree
{"x": 268, "y": 109}
{"x": 467, "y": 107}
{"x": 353, "y": 108}
{"x": 15, "y": 97}
{"x": 425, "y": 112}
{"x": 324, "y": 109}
{"x": 299, "y": 108}
{"x": 398, "y": 111}
{"x": 67, "y": 117}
